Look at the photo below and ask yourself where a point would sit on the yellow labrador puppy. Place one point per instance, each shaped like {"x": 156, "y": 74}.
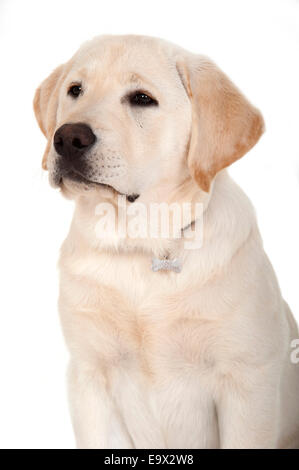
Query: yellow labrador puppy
{"x": 171, "y": 346}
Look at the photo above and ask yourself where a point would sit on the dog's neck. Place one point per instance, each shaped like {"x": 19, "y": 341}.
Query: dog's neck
{"x": 187, "y": 199}
{"x": 224, "y": 229}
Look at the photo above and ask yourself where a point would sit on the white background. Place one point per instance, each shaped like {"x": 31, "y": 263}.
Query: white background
{"x": 255, "y": 42}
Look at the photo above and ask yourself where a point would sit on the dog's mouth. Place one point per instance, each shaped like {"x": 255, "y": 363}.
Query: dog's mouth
{"x": 78, "y": 178}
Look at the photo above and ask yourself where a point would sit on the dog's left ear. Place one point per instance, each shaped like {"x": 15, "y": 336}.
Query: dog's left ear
{"x": 224, "y": 124}
{"x": 45, "y": 106}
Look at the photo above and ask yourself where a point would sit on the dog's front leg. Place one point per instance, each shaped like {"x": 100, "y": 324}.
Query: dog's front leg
{"x": 96, "y": 422}
{"x": 248, "y": 410}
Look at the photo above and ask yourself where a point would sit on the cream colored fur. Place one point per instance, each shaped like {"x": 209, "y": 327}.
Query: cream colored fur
{"x": 199, "y": 359}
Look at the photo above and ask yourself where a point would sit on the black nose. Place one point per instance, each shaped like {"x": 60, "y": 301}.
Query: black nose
{"x": 72, "y": 140}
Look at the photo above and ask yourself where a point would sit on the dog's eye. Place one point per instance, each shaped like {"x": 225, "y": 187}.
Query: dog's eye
{"x": 75, "y": 90}
{"x": 142, "y": 99}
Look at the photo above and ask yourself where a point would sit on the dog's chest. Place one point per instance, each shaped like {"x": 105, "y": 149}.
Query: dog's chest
{"x": 134, "y": 318}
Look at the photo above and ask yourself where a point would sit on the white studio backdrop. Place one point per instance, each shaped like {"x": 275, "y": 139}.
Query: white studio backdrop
{"x": 255, "y": 42}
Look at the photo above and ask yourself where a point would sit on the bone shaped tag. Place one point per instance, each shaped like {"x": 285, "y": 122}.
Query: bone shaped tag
{"x": 166, "y": 265}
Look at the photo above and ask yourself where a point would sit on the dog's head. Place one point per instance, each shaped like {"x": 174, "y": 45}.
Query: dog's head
{"x": 130, "y": 113}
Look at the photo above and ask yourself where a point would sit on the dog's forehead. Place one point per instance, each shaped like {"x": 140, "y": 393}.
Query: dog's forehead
{"x": 126, "y": 58}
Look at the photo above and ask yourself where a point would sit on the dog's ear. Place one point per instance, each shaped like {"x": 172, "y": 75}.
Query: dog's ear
{"x": 45, "y": 106}
{"x": 224, "y": 124}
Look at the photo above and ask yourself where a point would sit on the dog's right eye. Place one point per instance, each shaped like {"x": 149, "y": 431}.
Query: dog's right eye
{"x": 75, "y": 90}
